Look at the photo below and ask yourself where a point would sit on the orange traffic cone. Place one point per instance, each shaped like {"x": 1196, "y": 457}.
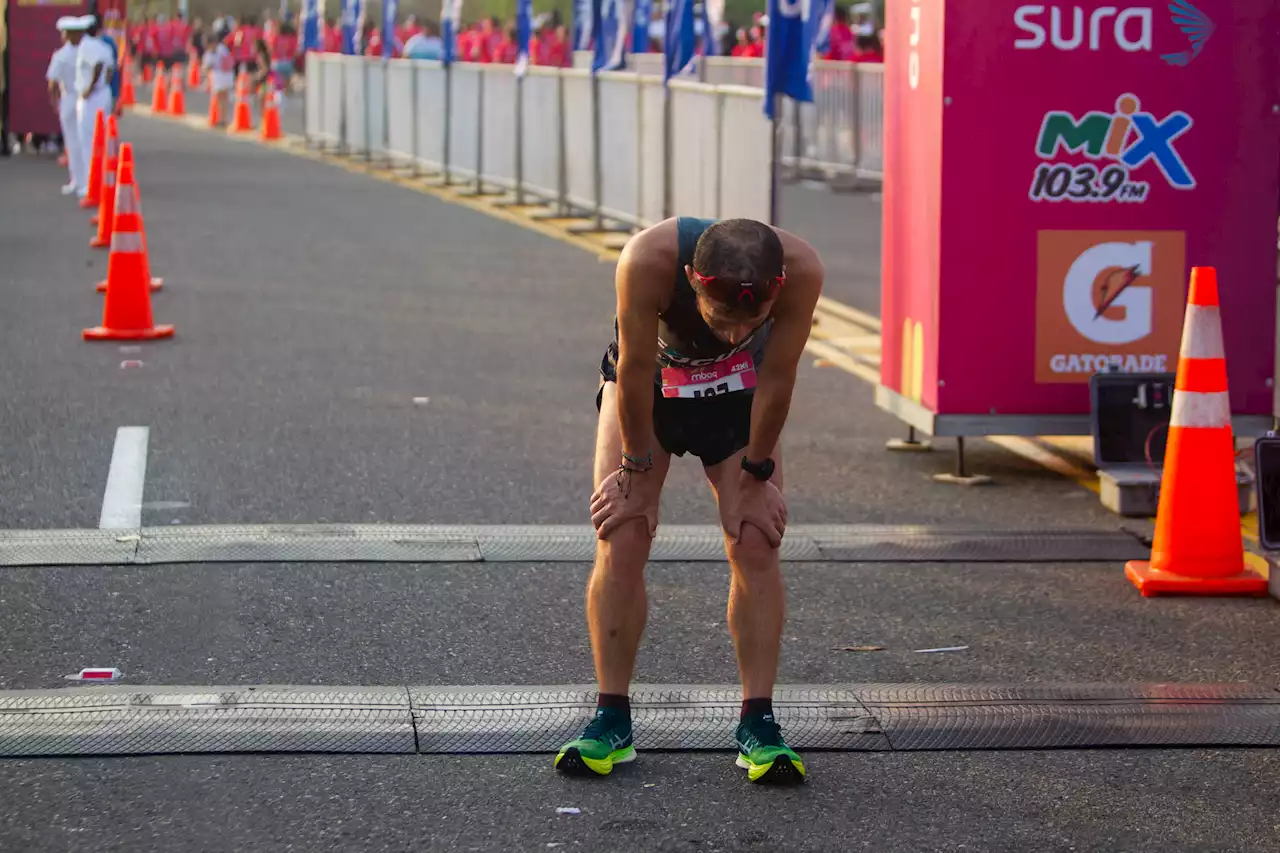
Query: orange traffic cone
{"x": 177, "y": 101}
{"x": 146, "y": 73}
{"x": 271, "y": 118}
{"x": 94, "y": 197}
{"x": 193, "y": 71}
{"x": 215, "y": 112}
{"x": 1198, "y": 547}
{"x": 127, "y": 96}
{"x": 159, "y": 95}
{"x": 242, "y": 84}
{"x": 242, "y": 119}
{"x": 126, "y": 156}
{"x": 106, "y": 209}
{"x": 126, "y": 313}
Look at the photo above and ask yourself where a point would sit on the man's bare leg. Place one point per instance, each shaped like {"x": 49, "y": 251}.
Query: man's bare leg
{"x": 757, "y": 597}
{"x": 757, "y": 610}
{"x": 616, "y": 603}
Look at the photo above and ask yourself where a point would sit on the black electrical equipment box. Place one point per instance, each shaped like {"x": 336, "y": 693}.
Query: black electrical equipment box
{"x": 1131, "y": 414}
{"x": 1266, "y": 465}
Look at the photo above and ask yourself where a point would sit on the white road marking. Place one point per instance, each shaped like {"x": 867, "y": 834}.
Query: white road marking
{"x": 122, "y": 500}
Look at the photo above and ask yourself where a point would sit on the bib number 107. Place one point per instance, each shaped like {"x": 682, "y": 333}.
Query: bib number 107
{"x": 722, "y": 388}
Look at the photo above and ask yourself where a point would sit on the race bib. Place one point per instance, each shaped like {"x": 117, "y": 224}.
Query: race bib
{"x": 733, "y": 374}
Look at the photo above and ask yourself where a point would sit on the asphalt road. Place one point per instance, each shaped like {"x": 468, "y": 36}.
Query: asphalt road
{"x": 312, "y": 306}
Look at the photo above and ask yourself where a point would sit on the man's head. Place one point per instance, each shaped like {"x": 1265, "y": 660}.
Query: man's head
{"x": 74, "y": 28}
{"x": 738, "y": 268}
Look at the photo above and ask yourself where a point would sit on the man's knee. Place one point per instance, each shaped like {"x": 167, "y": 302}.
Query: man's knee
{"x": 627, "y": 548}
{"x": 752, "y": 552}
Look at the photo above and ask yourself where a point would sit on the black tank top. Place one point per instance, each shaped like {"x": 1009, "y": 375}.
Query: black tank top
{"x": 684, "y": 338}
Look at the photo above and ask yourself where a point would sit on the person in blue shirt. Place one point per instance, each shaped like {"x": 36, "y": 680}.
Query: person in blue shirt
{"x": 425, "y": 45}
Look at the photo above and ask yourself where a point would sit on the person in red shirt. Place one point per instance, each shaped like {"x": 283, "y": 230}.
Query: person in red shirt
{"x": 558, "y": 53}
{"x": 841, "y": 39}
{"x": 408, "y": 29}
{"x": 284, "y": 55}
{"x": 505, "y": 52}
{"x": 466, "y": 44}
{"x": 150, "y": 42}
{"x": 332, "y": 42}
{"x": 868, "y": 49}
{"x": 755, "y": 46}
{"x": 372, "y": 40}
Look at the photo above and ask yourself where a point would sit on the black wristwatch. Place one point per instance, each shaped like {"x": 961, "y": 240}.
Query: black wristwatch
{"x": 762, "y": 471}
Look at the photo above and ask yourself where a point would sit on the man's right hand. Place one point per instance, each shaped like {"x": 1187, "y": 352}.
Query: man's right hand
{"x": 621, "y": 497}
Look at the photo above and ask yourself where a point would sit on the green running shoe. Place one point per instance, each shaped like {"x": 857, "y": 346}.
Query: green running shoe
{"x": 764, "y": 754}
{"x": 606, "y": 742}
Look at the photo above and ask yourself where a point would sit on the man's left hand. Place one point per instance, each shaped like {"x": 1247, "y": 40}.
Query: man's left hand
{"x": 757, "y": 503}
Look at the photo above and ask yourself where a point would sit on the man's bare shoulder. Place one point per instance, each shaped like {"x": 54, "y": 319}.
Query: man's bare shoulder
{"x": 648, "y": 263}
{"x": 800, "y": 256}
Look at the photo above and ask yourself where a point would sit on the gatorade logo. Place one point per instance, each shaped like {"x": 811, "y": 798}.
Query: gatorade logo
{"x": 1108, "y": 299}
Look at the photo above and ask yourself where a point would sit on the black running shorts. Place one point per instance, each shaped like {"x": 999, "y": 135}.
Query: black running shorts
{"x": 712, "y": 429}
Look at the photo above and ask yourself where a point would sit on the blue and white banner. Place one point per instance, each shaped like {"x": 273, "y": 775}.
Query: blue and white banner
{"x": 450, "y": 18}
{"x": 679, "y": 45}
{"x": 351, "y": 17}
{"x": 390, "y": 10}
{"x": 821, "y": 16}
{"x": 712, "y": 18}
{"x": 788, "y": 52}
{"x": 611, "y": 21}
{"x": 583, "y": 12}
{"x": 640, "y": 26}
{"x": 312, "y": 14}
{"x": 524, "y": 31}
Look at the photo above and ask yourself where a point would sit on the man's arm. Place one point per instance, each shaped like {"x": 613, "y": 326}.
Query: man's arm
{"x": 792, "y": 320}
{"x": 638, "y": 306}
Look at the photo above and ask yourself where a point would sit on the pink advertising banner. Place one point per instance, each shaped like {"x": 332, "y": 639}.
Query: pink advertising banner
{"x": 1052, "y": 174}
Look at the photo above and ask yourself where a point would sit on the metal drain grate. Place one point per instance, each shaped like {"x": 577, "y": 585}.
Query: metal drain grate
{"x": 117, "y": 720}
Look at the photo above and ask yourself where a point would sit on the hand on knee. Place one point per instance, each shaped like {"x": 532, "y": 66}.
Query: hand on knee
{"x": 753, "y": 550}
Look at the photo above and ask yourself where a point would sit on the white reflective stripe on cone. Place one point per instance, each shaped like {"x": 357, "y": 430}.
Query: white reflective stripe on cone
{"x": 109, "y": 179}
{"x": 127, "y": 199}
{"x": 131, "y": 242}
{"x": 1200, "y": 409}
{"x": 1202, "y": 333}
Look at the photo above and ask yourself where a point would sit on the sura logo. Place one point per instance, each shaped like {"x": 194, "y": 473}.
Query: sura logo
{"x": 1127, "y": 28}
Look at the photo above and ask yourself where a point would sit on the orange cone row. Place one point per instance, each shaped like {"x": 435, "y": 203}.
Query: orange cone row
{"x": 126, "y": 312}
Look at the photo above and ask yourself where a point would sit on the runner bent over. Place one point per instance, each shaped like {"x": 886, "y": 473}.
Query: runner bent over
{"x": 711, "y": 322}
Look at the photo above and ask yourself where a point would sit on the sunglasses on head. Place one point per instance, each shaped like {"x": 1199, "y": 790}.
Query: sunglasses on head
{"x": 726, "y": 291}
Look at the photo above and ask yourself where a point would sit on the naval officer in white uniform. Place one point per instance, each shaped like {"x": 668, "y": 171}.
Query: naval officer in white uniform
{"x": 93, "y": 75}
{"x": 62, "y": 91}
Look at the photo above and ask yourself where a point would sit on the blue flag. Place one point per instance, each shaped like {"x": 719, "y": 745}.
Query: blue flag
{"x": 609, "y": 21}
{"x": 311, "y": 37}
{"x": 524, "y": 31}
{"x": 350, "y": 21}
{"x": 821, "y": 16}
{"x": 390, "y": 8}
{"x": 640, "y": 26}
{"x": 710, "y": 45}
{"x": 680, "y": 40}
{"x": 788, "y": 52}
{"x": 450, "y": 16}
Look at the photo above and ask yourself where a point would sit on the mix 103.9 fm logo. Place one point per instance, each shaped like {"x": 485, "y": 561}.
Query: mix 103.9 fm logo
{"x": 1115, "y": 147}
{"x": 1108, "y": 299}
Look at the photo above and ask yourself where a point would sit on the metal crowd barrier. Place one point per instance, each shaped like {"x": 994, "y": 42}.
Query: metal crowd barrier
{"x": 838, "y": 136}
{"x": 589, "y": 147}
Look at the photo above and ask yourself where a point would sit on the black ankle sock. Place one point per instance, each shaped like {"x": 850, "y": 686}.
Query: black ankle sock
{"x": 757, "y": 707}
{"x": 614, "y": 701}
